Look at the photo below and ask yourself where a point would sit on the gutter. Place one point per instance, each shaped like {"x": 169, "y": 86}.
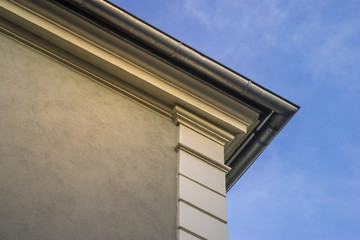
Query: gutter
{"x": 281, "y": 110}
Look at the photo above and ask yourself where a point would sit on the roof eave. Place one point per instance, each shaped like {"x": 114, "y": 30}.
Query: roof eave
{"x": 280, "y": 109}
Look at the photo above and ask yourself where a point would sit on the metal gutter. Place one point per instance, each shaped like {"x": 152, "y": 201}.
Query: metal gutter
{"x": 281, "y": 109}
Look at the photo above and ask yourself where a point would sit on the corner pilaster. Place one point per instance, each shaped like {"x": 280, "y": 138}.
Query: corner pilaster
{"x": 202, "y": 212}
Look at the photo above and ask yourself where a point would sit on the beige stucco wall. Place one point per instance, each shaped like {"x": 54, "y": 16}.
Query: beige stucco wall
{"x": 77, "y": 160}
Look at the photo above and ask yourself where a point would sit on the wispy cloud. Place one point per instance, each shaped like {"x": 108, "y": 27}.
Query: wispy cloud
{"x": 249, "y": 28}
{"x": 194, "y": 8}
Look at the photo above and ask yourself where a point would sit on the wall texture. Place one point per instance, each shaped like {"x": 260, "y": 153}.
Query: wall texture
{"x": 77, "y": 160}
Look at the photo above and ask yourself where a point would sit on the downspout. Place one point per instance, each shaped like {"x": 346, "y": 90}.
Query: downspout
{"x": 282, "y": 110}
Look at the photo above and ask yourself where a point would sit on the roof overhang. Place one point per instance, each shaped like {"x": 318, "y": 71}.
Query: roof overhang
{"x": 127, "y": 54}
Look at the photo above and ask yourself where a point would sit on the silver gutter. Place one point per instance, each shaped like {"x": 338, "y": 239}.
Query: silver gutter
{"x": 281, "y": 109}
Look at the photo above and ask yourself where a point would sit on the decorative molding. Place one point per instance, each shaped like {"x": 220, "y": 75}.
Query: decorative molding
{"x": 202, "y": 210}
{"x": 200, "y": 156}
{"x": 203, "y": 185}
{"x": 185, "y": 234}
{"x": 79, "y": 65}
{"x": 206, "y": 200}
{"x": 211, "y": 131}
{"x": 118, "y": 64}
{"x": 200, "y": 223}
{"x": 201, "y": 172}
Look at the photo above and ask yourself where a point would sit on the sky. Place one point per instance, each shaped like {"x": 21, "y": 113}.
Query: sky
{"x": 306, "y": 184}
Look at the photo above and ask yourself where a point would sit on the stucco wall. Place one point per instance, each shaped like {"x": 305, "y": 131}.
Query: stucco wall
{"x": 77, "y": 160}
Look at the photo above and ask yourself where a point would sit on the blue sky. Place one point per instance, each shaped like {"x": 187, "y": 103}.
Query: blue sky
{"x": 306, "y": 185}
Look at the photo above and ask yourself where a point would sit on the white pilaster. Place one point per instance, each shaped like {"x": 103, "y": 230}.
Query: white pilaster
{"x": 202, "y": 212}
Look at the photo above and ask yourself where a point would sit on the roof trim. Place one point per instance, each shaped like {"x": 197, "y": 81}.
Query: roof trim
{"x": 281, "y": 110}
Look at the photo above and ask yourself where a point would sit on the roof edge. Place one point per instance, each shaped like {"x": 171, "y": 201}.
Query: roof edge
{"x": 281, "y": 109}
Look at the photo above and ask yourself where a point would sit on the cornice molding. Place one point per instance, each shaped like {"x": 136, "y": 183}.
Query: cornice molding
{"x": 123, "y": 67}
{"x": 209, "y": 130}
